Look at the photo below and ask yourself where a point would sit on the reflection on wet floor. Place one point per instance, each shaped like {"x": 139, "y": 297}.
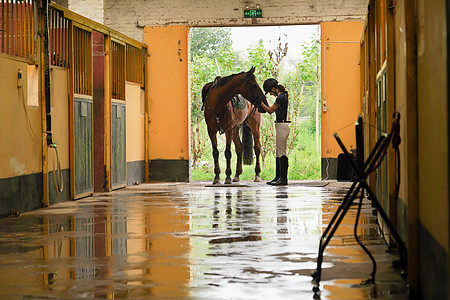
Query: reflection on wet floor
{"x": 191, "y": 241}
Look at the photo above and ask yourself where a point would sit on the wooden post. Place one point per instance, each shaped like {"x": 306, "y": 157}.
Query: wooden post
{"x": 412, "y": 148}
{"x": 390, "y": 57}
{"x": 44, "y": 69}
{"x": 71, "y": 112}
{"x": 146, "y": 121}
{"x": 108, "y": 112}
{"x": 372, "y": 84}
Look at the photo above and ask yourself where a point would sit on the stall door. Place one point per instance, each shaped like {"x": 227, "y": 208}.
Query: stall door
{"x": 83, "y": 146}
{"x": 118, "y": 164}
{"x": 118, "y": 138}
{"x": 381, "y": 113}
{"x": 82, "y": 112}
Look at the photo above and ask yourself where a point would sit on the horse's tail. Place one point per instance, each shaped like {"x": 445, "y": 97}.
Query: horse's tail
{"x": 205, "y": 90}
{"x": 247, "y": 144}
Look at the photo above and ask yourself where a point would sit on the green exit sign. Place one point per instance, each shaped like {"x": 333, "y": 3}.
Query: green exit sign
{"x": 253, "y": 13}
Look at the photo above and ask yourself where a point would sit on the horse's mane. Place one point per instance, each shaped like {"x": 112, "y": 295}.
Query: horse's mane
{"x": 220, "y": 81}
{"x": 224, "y": 80}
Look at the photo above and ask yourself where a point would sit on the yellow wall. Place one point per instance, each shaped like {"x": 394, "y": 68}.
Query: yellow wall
{"x": 135, "y": 122}
{"x": 432, "y": 121}
{"x": 340, "y": 83}
{"x": 168, "y": 92}
{"x": 60, "y": 121}
{"x": 20, "y": 152}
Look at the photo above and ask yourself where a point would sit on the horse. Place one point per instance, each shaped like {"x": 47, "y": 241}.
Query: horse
{"x": 221, "y": 117}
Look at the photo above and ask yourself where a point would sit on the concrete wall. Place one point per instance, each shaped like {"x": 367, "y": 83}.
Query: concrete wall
{"x": 433, "y": 149}
{"x": 340, "y": 81}
{"x": 131, "y": 17}
{"x": 20, "y": 150}
{"x": 92, "y": 9}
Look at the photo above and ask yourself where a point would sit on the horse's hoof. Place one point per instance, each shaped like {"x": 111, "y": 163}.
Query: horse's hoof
{"x": 228, "y": 181}
{"x": 257, "y": 179}
{"x": 236, "y": 179}
{"x": 216, "y": 181}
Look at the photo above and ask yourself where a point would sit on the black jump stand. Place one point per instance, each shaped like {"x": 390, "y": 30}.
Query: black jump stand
{"x": 362, "y": 169}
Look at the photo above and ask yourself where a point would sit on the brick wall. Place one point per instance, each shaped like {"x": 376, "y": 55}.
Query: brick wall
{"x": 130, "y": 17}
{"x": 92, "y": 9}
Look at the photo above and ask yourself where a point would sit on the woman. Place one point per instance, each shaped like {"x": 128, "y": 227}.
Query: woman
{"x": 280, "y": 107}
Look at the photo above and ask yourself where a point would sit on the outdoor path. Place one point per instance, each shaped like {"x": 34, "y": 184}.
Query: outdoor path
{"x": 193, "y": 241}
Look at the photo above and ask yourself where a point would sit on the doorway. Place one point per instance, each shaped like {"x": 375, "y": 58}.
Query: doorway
{"x": 291, "y": 54}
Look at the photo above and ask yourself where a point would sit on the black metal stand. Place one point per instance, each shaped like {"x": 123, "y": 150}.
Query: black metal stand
{"x": 359, "y": 187}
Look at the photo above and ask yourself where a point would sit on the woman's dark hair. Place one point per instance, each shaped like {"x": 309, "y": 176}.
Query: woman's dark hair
{"x": 283, "y": 90}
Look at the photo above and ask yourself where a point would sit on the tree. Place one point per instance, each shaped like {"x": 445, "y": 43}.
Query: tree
{"x": 309, "y": 67}
{"x": 259, "y": 58}
{"x": 277, "y": 56}
{"x": 207, "y": 41}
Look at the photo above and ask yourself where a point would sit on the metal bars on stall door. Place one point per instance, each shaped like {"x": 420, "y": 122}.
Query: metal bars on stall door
{"x": 118, "y": 70}
{"x": 18, "y": 28}
{"x": 135, "y": 65}
{"x": 59, "y": 38}
{"x": 82, "y": 61}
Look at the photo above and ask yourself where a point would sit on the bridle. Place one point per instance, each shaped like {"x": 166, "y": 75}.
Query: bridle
{"x": 218, "y": 117}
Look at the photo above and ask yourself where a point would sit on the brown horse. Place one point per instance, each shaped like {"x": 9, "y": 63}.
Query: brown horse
{"x": 221, "y": 116}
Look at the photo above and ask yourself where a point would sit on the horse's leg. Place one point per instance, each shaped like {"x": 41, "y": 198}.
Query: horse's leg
{"x": 212, "y": 136}
{"x": 254, "y": 126}
{"x": 228, "y": 136}
{"x": 238, "y": 149}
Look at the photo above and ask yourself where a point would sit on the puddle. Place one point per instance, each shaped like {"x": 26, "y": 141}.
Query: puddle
{"x": 186, "y": 241}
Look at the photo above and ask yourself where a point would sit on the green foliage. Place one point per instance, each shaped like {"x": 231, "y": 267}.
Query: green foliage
{"x": 207, "y": 41}
{"x": 212, "y": 55}
{"x": 304, "y": 162}
{"x": 309, "y": 65}
{"x": 259, "y": 57}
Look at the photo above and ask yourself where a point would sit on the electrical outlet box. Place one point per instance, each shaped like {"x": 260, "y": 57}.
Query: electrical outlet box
{"x": 19, "y": 79}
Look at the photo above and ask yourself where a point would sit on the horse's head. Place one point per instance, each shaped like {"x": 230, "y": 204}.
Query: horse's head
{"x": 251, "y": 90}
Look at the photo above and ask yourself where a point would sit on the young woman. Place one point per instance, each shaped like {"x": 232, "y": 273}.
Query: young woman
{"x": 280, "y": 107}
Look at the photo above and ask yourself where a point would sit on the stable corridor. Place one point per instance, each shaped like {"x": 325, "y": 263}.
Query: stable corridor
{"x": 192, "y": 241}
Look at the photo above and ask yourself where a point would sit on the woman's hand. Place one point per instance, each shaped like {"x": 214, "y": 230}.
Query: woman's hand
{"x": 271, "y": 109}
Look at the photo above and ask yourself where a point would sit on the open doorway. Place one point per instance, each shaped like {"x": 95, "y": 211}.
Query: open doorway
{"x": 291, "y": 54}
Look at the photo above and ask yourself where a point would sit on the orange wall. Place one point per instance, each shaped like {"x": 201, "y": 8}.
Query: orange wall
{"x": 168, "y": 92}
{"x": 340, "y": 52}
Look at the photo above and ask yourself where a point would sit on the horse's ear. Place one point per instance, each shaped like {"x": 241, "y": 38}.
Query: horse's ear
{"x": 252, "y": 70}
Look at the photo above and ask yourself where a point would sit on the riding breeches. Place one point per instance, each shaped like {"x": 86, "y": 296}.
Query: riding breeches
{"x": 282, "y": 132}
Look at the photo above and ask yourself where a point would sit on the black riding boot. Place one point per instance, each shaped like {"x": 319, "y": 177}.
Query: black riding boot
{"x": 277, "y": 171}
{"x": 284, "y": 163}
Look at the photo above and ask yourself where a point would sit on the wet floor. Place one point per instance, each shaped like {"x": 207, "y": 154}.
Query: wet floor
{"x": 192, "y": 241}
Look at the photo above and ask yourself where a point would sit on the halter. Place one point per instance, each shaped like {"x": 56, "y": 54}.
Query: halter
{"x": 218, "y": 117}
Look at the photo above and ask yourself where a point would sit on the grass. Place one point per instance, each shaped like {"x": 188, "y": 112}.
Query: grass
{"x": 304, "y": 162}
